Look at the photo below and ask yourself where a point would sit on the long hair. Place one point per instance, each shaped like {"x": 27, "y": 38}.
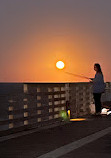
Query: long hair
{"x": 98, "y": 67}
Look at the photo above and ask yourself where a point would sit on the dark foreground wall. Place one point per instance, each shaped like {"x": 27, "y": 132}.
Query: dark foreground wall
{"x": 30, "y": 105}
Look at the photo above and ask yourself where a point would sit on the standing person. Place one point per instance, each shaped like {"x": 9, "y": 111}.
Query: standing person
{"x": 98, "y": 87}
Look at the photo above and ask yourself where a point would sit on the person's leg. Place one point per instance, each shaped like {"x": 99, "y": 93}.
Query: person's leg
{"x": 97, "y": 100}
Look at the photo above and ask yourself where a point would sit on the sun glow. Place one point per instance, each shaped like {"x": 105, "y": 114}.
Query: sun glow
{"x": 60, "y": 65}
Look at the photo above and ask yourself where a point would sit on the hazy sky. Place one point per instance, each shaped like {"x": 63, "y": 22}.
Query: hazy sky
{"x": 34, "y": 34}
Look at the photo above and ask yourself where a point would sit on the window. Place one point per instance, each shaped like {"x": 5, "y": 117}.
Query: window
{"x": 57, "y": 96}
{"x": 56, "y": 102}
{"x": 39, "y": 119}
{"x": 25, "y": 99}
{"x": 56, "y": 116}
{"x": 62, "y": 88}
{"x": 10, "y": 117}
{"x": 26, "y": 122}
{"x": 63, "y": 95}
{"x": 50, "y": 89}
{"x": 39, "y": 104}
{"x": 50, "y": 117}
{"x": 38, "y": 97}
{"x": 25, "y": 88}
{"x": 25, "y": 106}
{"x": 56, "y": 89}
{"x": 11, "y": 125}
{"x": 38, "y": 89}
{"x": 39, "y": 112}
{"x": 10, "y": 108}
{"x": 50, "y": 103}
{"x": 50, "y": 96}
{"x": 56, "y": 109}
{"x": 25, "y": 114}
{"x": 50, "y": 110}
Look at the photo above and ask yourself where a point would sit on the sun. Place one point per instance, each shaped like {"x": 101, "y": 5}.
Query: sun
{"x": 60, "y": 65}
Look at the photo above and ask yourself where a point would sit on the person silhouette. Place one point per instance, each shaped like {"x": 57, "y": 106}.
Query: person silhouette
{"x": 98, "y": 88}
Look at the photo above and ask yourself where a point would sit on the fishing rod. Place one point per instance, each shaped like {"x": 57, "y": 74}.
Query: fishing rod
{"x": 78, "y": 75}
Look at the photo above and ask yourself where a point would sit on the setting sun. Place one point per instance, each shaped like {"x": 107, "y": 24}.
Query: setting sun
{"x": 60, "y": 65}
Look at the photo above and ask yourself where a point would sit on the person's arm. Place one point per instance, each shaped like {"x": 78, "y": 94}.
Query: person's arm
{"x": 91, "y": 79}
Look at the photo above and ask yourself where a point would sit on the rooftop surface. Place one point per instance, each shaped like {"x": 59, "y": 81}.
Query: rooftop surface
{"x": 89, "y": 138}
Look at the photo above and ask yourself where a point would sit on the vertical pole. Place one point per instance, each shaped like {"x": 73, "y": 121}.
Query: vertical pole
{"x": 67, "y": 99}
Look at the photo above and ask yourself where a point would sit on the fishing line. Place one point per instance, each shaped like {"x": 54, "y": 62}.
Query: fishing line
{"x": 77, "y": 75}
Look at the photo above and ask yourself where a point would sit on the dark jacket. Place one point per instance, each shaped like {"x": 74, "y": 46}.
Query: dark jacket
{"x": 98, "y": 83}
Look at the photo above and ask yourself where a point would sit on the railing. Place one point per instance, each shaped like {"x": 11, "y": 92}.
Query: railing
{"x": 25, "y": 106}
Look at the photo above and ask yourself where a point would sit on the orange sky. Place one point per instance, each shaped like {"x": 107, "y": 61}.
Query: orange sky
{"x": 34, "y": 36}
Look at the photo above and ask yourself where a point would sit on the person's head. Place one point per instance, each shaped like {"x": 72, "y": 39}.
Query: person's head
{"x": 97, "y": 68}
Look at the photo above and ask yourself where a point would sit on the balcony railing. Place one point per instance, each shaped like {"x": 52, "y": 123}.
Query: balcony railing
{"x": 25, "y": 106}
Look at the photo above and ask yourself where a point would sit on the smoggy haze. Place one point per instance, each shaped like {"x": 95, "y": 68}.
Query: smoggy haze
{"x": 34, "y": 34}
